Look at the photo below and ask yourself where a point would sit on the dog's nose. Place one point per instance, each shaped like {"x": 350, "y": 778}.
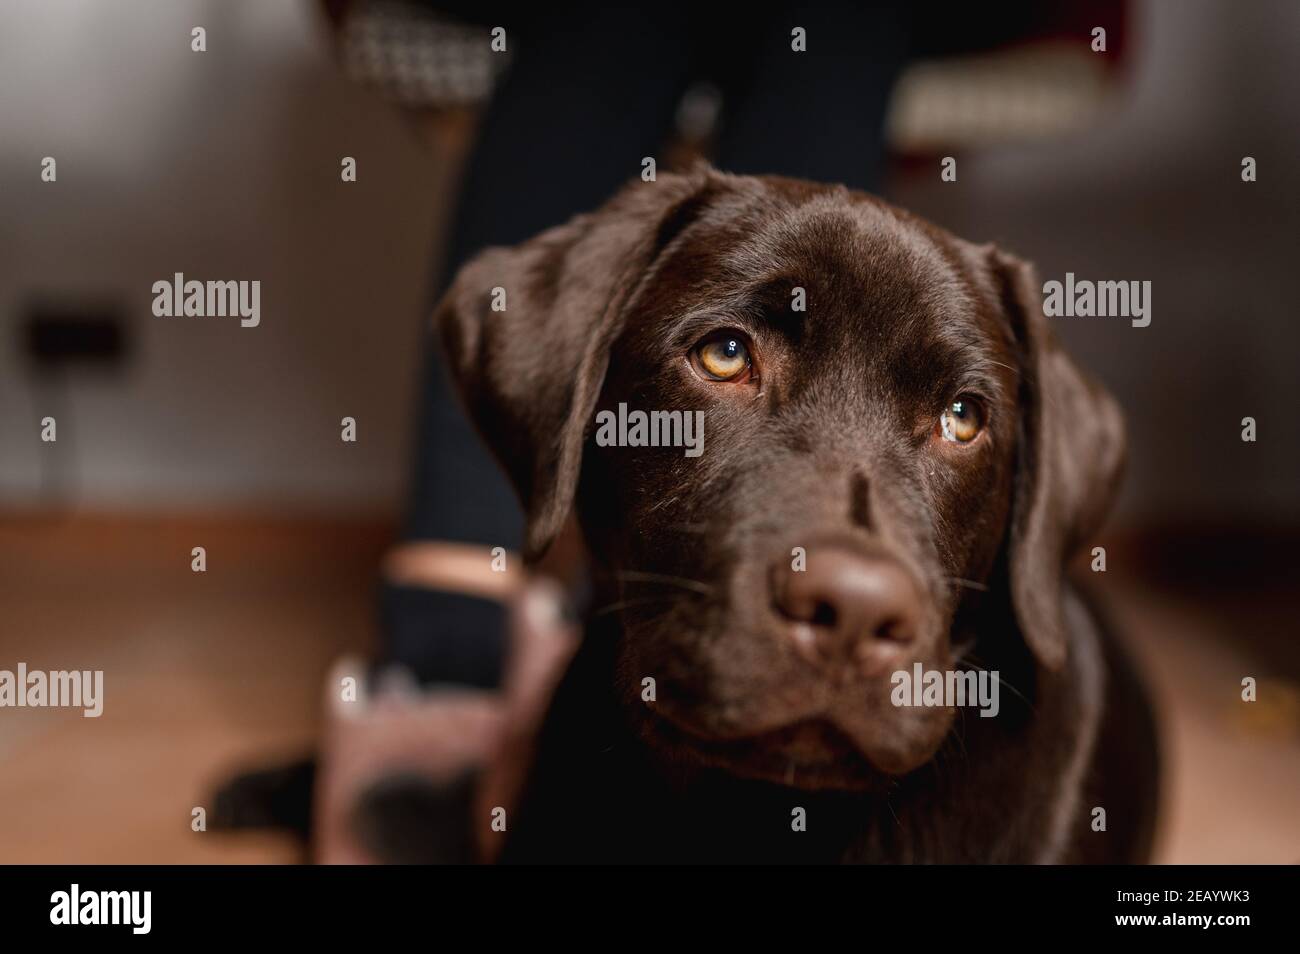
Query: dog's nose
{"x": 846, "y": 607}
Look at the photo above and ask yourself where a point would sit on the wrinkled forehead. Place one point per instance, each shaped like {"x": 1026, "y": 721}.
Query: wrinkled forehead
{"x": 838, "y": 267}
{"x": 851, "y": 248}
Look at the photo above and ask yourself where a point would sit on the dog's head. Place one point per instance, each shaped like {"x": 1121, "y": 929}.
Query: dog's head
{"x": 889, "y": 430}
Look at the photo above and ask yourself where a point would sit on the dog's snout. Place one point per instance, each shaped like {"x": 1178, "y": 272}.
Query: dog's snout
{"x": 847, "y": 607}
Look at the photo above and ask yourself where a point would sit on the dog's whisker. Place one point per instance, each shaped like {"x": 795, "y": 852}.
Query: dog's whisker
{"x": 892, "y": 812}
{"x": 662, "y": 503}
{"x": 969, "y": 584}
{"x": 959, "y": 734}
{"x": 639, "y": 576}
{"x": 638, "y": 601}
{"x": 968, "y": 654}
{"x": 1001, "y": 681}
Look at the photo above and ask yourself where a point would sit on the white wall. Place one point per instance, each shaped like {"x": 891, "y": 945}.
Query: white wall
{"x": 221, "y": 165}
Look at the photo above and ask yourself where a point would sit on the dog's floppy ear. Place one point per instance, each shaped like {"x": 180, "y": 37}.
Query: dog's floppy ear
{"x": 1069, "y": 462}
{"x": 527, "y": 332}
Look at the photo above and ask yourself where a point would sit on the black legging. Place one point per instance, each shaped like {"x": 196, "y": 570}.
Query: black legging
{"x": 590, "y": 91}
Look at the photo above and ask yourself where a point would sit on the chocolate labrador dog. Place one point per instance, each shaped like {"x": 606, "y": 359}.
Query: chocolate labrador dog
{"x": 860, "y": 458}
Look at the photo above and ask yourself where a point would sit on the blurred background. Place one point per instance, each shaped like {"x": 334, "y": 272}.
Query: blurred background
{"x": 1121, "y": 165}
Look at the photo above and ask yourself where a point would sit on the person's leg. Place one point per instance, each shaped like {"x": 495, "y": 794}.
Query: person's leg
{"x": 587, "y": 95}
{"x": 818, "y": 114}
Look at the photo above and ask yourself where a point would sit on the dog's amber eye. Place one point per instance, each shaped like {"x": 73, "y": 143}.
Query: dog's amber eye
{"x": 961, "y": 421}
{"x": 722, "y": 358}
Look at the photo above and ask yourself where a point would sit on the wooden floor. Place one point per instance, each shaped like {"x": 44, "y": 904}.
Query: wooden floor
{"x": 203, "y": 672}
{"x": 207, "y": 672}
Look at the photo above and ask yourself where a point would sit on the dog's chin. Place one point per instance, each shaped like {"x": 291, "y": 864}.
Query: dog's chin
{"x": 811, "y": 754}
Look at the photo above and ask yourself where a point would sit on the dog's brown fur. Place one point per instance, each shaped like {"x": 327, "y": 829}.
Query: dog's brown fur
{"x": 829, "y": 444}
